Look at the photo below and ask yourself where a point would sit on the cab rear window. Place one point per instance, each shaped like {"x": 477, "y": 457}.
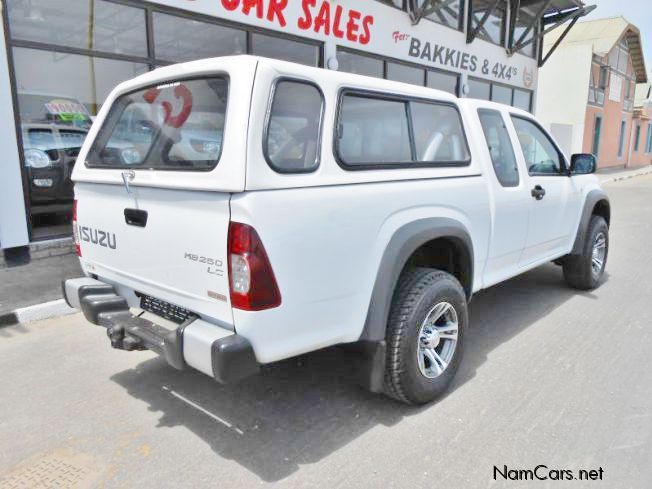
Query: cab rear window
{"x": 173, "y": 126}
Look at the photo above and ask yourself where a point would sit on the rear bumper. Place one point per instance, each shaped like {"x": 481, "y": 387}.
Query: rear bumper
{"x": 215, "y": 351}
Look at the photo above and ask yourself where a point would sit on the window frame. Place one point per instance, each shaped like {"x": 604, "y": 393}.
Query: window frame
{"x": 480, "y": 110}
{"x": 565, "y": 171}
{"x": 405, "y": 99}
{"x": 218, "y": 75}
{"x": 268, "y": 120}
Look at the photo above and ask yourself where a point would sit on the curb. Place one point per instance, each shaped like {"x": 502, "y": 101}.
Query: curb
{"x": 37, "y": 312}
{"x": 627, "y": 176}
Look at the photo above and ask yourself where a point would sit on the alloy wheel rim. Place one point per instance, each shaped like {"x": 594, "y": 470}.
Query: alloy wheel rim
{"x": 437, "y": 340}
{"x": 598, "y": 253}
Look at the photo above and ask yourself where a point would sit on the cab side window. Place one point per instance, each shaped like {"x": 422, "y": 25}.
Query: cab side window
{"x": 374, "y": 130}
{"x": 500, "y": 147}
{"x": 438, "y": 133}
{"x": 541, "y": 155}
{"x": 390, "y": 131}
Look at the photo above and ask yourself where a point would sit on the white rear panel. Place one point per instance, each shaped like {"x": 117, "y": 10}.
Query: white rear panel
{"x": 179, "y": 256}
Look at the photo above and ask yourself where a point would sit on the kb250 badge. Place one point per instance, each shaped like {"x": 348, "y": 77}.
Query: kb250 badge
{"x": 214, "y": 265}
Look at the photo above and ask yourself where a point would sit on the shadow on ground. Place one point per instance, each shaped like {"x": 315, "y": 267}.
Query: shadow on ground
{"x": 299, "y": 411}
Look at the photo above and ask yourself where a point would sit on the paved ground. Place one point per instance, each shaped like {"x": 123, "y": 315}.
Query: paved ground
{"x": 550, "y": 377}
{"x": 620, "y": 173}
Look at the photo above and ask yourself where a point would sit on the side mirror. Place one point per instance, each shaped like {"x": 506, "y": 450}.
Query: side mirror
{"x": 583, "y": 164}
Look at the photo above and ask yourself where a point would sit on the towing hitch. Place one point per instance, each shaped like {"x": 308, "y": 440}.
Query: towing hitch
{"x": 122, "y": 341}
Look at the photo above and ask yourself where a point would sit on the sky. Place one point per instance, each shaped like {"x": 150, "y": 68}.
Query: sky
{"x": 638, "y": 12}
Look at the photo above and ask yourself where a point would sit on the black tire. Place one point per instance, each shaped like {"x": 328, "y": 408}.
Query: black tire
{"x": 418, "y": 291}
{"x": 578, "y": 269}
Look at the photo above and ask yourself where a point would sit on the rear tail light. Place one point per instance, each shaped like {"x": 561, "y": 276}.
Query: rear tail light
{"x": 75, "y": 229}
{"x": 252, "y": 283}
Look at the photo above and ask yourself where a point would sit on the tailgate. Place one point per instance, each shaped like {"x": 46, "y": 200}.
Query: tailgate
{"x": 174, "y": 247}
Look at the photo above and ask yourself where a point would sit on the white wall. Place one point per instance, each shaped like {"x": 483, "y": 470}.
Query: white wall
{"x": 568, "y": 137}
{"x": 13, "y": 221}
{"x": 563, "y": 88}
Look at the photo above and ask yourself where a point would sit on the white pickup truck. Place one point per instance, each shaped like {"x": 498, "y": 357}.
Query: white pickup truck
{"x": 237, "y": 211}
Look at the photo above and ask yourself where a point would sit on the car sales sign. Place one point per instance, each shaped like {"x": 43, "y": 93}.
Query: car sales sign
{"x": 370, "y": 26}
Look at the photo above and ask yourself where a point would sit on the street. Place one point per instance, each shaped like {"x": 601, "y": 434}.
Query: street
{"x": 550, "y": 376}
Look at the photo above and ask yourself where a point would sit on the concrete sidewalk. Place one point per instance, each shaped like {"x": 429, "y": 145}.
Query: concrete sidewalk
{"x": 33, "y": 283}
{"x": 614, "y": 175}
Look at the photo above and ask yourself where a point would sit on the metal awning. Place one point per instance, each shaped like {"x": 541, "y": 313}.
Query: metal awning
{"x": 549, "y": 15}
{"x": 532, "y": 18}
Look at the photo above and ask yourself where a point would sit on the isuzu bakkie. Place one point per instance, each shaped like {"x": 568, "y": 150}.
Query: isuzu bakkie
{"x": 238, "y": 211}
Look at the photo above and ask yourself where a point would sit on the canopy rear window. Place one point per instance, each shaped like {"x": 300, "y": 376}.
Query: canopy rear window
{"x": 174, "y": 126}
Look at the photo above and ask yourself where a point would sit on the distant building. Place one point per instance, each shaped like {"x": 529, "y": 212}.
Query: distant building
{"x": 586, "y": 93}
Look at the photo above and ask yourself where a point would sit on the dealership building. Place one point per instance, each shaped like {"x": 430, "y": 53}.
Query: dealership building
{"x": 63, "y": 57}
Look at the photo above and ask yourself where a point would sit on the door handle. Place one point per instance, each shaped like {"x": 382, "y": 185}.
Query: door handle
{"x": 538, "y": 192}
{"x": 136, "y": 217}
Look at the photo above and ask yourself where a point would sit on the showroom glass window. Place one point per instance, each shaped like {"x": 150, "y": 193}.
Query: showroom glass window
{"x": 81, "y": 24}
{"x": 285, "y": 49}
{"x": 68, "y": 55}
{"x": 405, "y": 73}
{"x": 479, "y": 89}
{"x": 360, "y": 64}
{"x": 501, "y": 94}
{"x": 441, "y": 80}
{"x": 522, "y": 99}
{"x": 179, "y": 39}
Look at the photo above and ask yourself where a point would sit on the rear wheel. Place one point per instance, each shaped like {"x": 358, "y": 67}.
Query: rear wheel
{"x": 584, "y": 271}
{"x": 425, "y": 333}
